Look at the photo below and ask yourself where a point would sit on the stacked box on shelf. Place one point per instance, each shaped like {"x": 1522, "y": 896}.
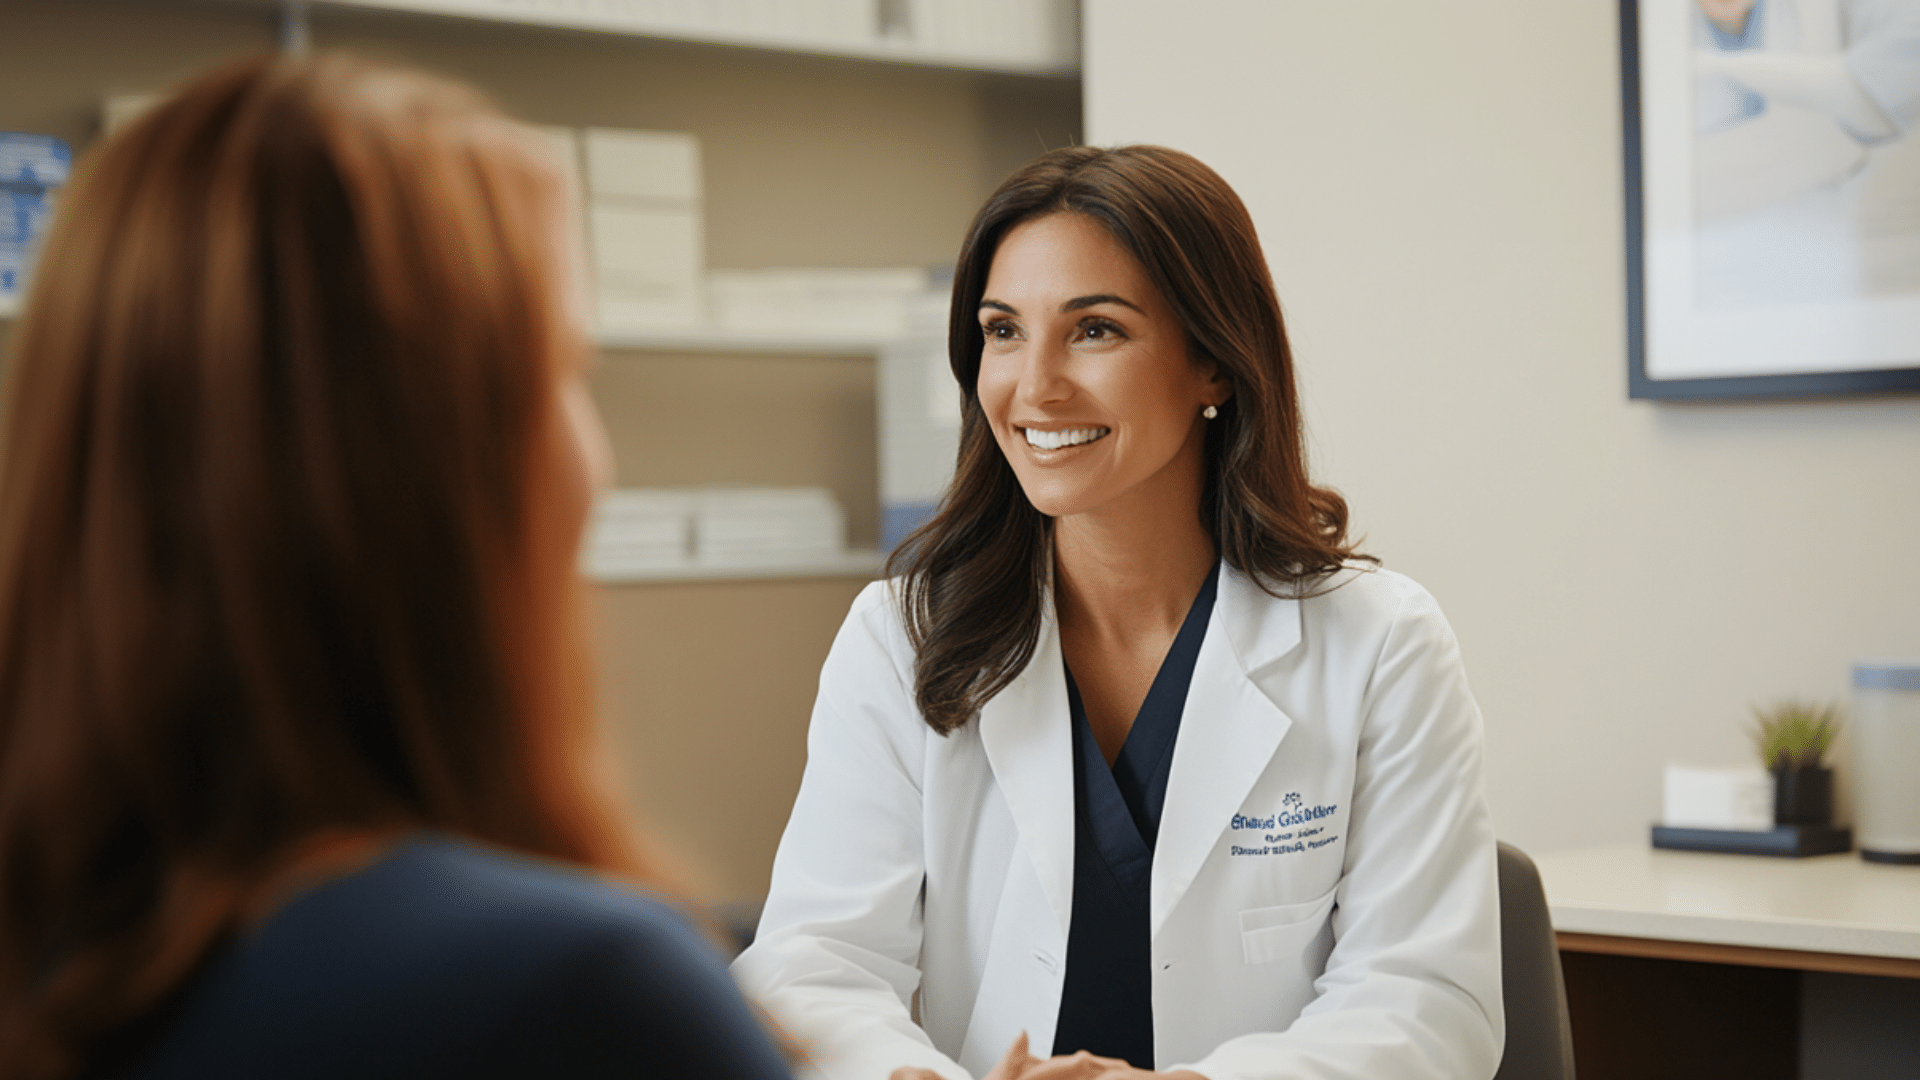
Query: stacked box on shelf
{"x": 767, "y": 526}
{"x": 637, "y": 531}
{"x": 645, "y": 228}
{"x": 824, "y": 303}
{"x": 643, "y": 532}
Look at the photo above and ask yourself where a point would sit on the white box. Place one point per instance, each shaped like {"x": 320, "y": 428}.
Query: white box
{"x": 805, "y": 302}
{"x": 645, "y": 227}
{"x": 639, "y": 529}
{"x": 654, "y": 166}
{"x": 735, "y": 526}
{"x": 646, "y": 263}
{"x": 1717, "y": 798}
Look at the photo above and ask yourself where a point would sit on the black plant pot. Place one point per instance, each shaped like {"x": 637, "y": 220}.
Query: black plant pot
{"x": 1803, "y": 796}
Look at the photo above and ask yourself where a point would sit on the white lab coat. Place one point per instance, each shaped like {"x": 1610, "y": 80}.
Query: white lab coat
{"x": 1323, "y": 897}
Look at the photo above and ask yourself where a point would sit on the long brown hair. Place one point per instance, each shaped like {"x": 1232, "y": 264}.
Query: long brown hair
{"x": 976, "y": 575}
{"x": 277, "y": 557}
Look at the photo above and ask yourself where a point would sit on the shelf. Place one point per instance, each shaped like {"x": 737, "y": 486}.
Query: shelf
{"x": 697, "y": 341}
{"x": 719, "y": 341}
{"x": 626, "y": 18}
{"x": 856, "y": 563}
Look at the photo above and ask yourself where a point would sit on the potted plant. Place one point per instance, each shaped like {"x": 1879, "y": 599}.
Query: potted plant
{"x": 1793, "y": 738}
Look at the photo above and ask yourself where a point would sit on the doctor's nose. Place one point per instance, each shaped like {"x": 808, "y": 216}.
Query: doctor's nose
{"x": 1043, "y": 375}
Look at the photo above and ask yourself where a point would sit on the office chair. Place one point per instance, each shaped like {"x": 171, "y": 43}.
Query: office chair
{"x": 1539, "y": 1034}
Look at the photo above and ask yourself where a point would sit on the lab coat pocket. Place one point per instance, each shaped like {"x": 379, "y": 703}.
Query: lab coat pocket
{"x": 1283, "y": 931}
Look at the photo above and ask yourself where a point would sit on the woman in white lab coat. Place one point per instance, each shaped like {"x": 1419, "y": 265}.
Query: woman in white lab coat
{"x": 1134, "y": 755}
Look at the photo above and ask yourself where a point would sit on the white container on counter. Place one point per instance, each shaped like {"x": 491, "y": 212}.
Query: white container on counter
{"x": 1886, "y": 761}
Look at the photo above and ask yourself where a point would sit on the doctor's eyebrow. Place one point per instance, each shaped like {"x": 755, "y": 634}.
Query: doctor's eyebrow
{"x": 1074, "y": 304}
{"x": 1079, "y": 302}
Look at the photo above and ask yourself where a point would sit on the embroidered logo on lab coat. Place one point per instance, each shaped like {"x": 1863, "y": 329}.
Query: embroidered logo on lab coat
{"x": 1290, "y": 829}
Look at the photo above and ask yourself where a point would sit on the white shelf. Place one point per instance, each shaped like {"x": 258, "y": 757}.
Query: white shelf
{"x": 856, "y": 563}
{"x": 627, "y": 18}
{"x": 707, "y": 341}
{"x": 720, "y": 341}
{"x": 697, "y": 341}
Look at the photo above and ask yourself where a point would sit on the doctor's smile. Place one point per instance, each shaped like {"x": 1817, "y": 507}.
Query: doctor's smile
{"x": 1041, "y": 439}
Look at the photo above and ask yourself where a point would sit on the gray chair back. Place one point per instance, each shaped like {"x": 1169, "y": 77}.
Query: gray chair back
{"x": 1539, "y": 1034}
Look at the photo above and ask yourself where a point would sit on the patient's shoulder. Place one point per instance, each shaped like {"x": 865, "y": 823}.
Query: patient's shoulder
{"x": 449, "y": 958}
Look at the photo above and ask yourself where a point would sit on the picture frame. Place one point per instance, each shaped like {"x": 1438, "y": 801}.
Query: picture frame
{"x": 1745, "y": 279}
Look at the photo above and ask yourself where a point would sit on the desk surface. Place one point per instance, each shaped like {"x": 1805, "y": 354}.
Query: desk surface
{"x": 1824, "y": 904}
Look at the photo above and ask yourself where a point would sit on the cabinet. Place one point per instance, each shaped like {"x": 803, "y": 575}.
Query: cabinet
{"x": 1680, "y": 964}
{"x": 824, "y": 158}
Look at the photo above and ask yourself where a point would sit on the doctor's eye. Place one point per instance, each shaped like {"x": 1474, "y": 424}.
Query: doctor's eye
{"x": 1099, "y": 331}
{"x": 998, "y": 331}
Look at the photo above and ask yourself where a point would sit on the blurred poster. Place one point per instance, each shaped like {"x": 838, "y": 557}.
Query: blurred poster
{"x": 32, "y": 169}
{"x": 1779, "y": 195}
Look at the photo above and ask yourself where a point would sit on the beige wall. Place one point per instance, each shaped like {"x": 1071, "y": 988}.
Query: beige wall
{"x": 809, "y": 162}
{"x": 1438, "y": 190}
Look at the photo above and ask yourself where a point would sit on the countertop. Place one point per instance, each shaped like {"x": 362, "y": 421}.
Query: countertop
{"x": 1826, "y": 903}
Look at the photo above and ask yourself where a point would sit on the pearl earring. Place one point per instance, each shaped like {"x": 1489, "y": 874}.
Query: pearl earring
{"x": 1209, "y": 412}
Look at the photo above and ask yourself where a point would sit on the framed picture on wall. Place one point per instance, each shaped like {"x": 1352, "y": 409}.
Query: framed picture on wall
{"x": 1772, "y": 197}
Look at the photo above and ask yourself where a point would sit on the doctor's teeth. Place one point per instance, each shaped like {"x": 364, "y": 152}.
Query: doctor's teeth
{"x": 1054, "y": 440}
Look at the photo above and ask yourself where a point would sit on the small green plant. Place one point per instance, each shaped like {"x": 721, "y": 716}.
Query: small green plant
{"x": 1794, "y": 734}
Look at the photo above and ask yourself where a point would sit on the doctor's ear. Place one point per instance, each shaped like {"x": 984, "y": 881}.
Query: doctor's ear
{"x": 1219, "y": 390}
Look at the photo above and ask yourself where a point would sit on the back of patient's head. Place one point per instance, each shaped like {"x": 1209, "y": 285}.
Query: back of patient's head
{"x": 277, "y": 554}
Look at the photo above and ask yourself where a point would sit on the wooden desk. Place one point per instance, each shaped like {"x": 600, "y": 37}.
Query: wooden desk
{"x": 1685, "y": 964}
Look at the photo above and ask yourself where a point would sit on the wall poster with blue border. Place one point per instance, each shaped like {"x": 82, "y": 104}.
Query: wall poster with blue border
{"x": 32, "y": 170}
{"x": 1772, "y": 197}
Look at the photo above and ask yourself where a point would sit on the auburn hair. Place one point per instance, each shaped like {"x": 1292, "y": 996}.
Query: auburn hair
{"x": 975, "y": 579}
{"x": 278, "y": 557}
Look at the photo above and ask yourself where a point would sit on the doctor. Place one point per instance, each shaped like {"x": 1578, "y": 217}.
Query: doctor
{"x": 1134, "y": 756}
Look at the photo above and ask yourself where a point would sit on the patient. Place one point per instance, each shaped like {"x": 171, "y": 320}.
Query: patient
{"x": 295, "y": 741}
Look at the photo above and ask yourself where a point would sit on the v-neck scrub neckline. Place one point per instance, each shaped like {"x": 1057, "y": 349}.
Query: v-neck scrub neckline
{"x": 1106, "y": 1005}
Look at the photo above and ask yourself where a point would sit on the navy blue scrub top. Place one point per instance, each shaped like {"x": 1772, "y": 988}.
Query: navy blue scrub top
{"x": 1107, "y": 1004}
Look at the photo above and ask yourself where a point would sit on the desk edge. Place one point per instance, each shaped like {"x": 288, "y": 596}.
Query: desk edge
{"x": 1743, "y": 955}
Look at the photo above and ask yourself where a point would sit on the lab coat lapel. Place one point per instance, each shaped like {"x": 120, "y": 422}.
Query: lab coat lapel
{"x": 1028, "y": 736}
{"x": 1229, "y": 732}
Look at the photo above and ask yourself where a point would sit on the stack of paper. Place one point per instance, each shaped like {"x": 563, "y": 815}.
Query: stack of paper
{"x": 636, "y": 530}
{"x": 818, "y": 303}
{"x": 767, "y": 526}
{"x": 645, "y": 228}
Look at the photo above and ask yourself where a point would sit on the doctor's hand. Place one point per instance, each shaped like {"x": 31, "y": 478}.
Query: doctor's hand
{"x": 1086, "y": 1066}
{"x": 1013, "y": 1066}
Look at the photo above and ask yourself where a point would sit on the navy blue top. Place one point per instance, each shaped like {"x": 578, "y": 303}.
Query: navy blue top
{"x": 447, "y": 959}
{"x": 1107, "y": 1004}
